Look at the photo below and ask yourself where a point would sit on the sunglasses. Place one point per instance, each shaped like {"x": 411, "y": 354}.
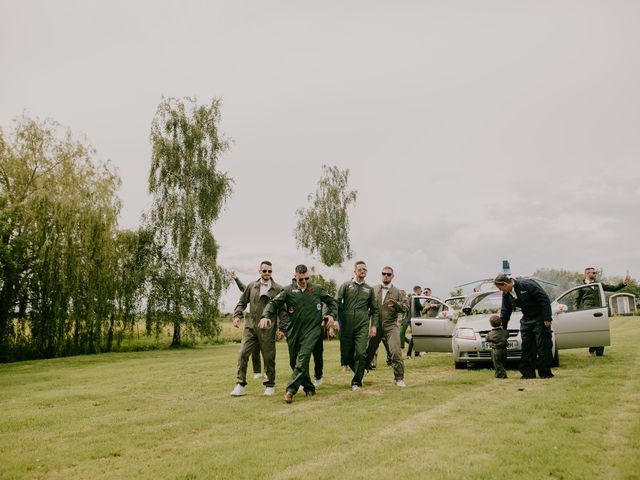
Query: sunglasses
{"x": 306, "y": 279}
{"x": 387, "y": 274}
{"x": 266, "y": 271}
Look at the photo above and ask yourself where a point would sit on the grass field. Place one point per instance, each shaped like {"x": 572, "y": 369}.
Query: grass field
{"x": 168, "y": 414}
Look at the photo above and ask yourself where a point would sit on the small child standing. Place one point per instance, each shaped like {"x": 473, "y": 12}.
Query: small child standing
{"x": 497, "y": 338}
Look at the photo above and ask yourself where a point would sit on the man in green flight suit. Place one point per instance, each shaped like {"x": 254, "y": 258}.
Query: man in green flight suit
{"x": 255, "y": 353}
{"x": 393, "y": 305}
{"x": 360, "y": 307}
{"x": 302, "y": 327}
{"x": 590, "y": 298}
{"x": 257, "y": 294}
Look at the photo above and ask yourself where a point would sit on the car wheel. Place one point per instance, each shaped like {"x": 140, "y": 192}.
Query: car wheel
{"x": 460, "y": 365}
{"x": 555, "y": 361}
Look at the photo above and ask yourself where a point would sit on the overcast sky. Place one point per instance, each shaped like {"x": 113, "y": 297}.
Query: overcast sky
{"x": 475, "y": 131}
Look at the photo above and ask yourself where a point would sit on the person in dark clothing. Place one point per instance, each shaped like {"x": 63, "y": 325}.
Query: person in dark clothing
{"x": 302, "y": 326}
{"x": 498, "y": 339}
{"x": 590, "y": 298}
{"x": 361, "y": 321}
{"x": 255, "y": 353}
{"x": 415, "y": 311}
{"x": 406, "y": 321}
{"x": 535, "y": 324}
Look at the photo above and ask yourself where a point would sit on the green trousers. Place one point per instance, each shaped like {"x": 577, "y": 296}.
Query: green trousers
{"x": 265, "y": 340}
{"x": 301, "y": 347}
{"x": 390, "y": 335}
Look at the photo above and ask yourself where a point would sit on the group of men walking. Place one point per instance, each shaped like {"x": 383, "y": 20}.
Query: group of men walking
{"x": 370, "y": 315}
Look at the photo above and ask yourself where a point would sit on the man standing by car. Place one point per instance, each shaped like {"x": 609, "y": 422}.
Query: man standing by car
{"x": 429, "y": 309}
{"x": 257, "y": 294}
{"x": 590, "y": 298}
{"x": 392, "y": 304}
{"x": 535, "y": 324}
{"x": 406, "y": 323}
{"x": 360, "y": 306}
{"x": 302, "y": 326}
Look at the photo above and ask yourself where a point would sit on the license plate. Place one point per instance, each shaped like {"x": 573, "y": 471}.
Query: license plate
{"x": 511, "y": 345}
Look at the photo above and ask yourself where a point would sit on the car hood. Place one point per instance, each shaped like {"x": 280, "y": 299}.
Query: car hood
{"x": 481, "y": 322}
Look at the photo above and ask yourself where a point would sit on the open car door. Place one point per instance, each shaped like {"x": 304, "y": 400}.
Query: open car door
{"x": 431, "y": 327}
{"x": 581, "y": 317}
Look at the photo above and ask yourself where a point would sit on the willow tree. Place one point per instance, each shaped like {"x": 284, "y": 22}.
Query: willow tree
{"x": 188, "y": 193}
{"x": 58, "y": 214}
{"x": 323, "y": 228}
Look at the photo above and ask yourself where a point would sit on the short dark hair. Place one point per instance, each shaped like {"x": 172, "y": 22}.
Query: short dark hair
{"x": 502, "y": 279}
{"x": 359, "y": 262}
{"x": 388, "y": 267}
{"x": 266, "y": 262}
{"x": 495, "y": 320}
{"x": 301, "y": 268}
{"x": 590, "y": 268}
{"x": 417, "y": 287}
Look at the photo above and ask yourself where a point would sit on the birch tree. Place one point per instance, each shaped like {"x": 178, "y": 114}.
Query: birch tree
{"x": 188, "y": 193}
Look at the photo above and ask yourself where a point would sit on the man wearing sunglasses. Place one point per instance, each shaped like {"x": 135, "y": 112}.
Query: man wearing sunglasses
{"x": 360, "y": 322}
{"x": 257, "y": 294}
{"x": 393, "y": 305}
{"x": 302, "y": 326}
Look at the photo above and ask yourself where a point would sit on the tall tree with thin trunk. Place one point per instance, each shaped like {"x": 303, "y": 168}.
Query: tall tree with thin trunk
{"x": 323, "y": 227}
{"x": 188, "y": 194}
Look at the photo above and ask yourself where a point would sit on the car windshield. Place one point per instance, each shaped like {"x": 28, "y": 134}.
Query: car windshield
{"x": 482, "y": 303}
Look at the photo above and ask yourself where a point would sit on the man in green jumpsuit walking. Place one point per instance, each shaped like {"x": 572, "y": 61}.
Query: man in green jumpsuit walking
{"x": 393, "y": 305}
{"x": 257, "y": 294}
{"x": 255, "y": 354}
{"x": 360, "y": 308}
{"x": 302, "y": 327}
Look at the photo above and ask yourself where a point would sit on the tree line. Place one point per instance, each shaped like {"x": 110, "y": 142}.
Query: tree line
{"x": 71, "y": 281}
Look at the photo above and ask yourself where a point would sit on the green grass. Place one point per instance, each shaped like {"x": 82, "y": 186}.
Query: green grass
{"x": 168, "y": 414}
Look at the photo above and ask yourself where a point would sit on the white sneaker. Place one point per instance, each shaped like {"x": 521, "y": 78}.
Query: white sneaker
{"x": 317, "y": 382}
{"x": 238, "y": 391}
{"x": 257, "y": 375}
{"x": 269, "y": 391}
{"x": 300, "y": 389}
{"x": 355, "y": 388}
{"x": 400, "y": 383}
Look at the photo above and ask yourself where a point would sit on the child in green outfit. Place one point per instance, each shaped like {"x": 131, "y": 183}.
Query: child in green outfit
{"x": 497, "y": 338}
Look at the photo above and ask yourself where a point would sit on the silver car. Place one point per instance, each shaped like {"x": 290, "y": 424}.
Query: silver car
{"x": 464, "y": 334}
